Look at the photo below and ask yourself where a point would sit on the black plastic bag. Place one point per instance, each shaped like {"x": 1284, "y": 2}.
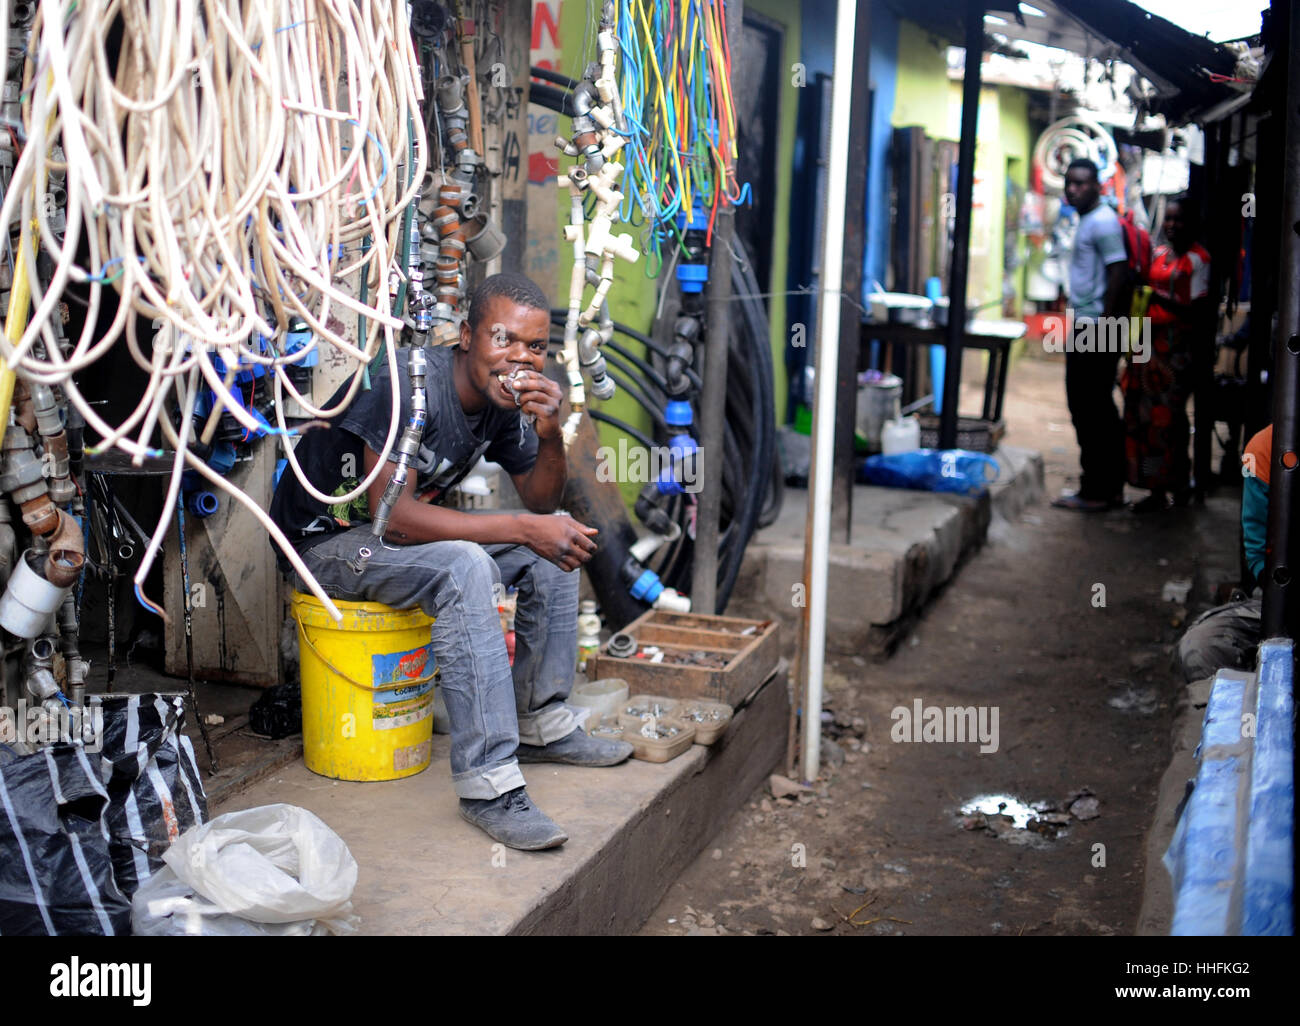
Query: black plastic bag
{"x": 278, "y": 712}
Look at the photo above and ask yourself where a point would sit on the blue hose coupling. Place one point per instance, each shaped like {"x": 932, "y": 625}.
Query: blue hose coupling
{"x": 647, "y": 587}
{"x": 201, "y": 504}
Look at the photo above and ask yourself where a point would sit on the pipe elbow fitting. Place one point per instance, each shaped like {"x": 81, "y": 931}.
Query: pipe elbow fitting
{"x": 67, "y": 553}
{"x": 673, "y": 601}
{"x": 584, "y": 99}
{"x": 48, "y": 421}
{"x": 589, "y": 347}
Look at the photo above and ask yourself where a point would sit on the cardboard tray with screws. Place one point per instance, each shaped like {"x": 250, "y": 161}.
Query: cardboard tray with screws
{"x": 710, "y": 719}
{"x": 721, "y": 658}
{"x": 673, "y": 737}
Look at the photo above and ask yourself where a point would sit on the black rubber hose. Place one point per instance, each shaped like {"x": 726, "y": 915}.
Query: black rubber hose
{"x": 761, "y": 376}
{"x": 739, "y": 457}
{"x": 629, "y": 360}
{"x": 749, "y": 467}
{"x": 775, "y": 495}
{"x": 559, "y": 316}
{"x": 553, "y": 76}
{"x": 660, "y": 381}
{"x": 551, "y": 98}
{"x": 635, "y": 392}
{"x": 775, "y": 491}
{"x": 623, "y": 426}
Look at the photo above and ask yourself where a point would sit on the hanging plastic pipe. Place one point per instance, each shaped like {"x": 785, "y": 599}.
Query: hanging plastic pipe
{"x": 575, "y": 181}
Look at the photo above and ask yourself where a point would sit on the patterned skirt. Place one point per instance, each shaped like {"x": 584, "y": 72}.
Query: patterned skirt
{"x": 1155, "y": 411}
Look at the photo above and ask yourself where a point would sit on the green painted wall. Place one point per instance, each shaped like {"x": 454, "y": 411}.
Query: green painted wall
{"x": 927, "y": 97}
{"x": 921, "y": 94}
{"x": 787, "y": 13}
{"x": 1017, "y": 146}
{"x": 633, "y": 295}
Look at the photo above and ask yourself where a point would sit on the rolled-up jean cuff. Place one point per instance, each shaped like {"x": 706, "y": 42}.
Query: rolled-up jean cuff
{"x": 546, "y": 725}
{"x": 492, "y": 782}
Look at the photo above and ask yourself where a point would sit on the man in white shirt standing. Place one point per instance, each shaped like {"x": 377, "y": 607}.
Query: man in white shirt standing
{"x": 1099, "y": 286}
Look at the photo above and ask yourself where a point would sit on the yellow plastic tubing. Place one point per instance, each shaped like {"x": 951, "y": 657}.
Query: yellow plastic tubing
{"x": 20, "y": 300}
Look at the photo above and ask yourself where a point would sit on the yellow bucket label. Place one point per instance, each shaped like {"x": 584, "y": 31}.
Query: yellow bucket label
{"x": 391, "y": 715}
{"x": 402, "y": 667}
{"x": 402, "y": 706}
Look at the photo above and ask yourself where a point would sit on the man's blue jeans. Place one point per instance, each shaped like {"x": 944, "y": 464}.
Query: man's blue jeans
{"x": 491, "y": 705}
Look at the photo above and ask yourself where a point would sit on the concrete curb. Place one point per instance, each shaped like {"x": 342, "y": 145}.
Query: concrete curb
{"x": 1231, "y": 854}
{"x": 906, "y": 546}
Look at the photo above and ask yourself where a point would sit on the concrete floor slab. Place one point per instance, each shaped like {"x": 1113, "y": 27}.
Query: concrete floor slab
{"x": 632, "y": 829}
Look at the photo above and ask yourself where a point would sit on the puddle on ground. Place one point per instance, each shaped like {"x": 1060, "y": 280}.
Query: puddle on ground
{"x": 1020, "y": 813}
{"x": 1013, "y": 820}
{"x": 1133, "y": 699}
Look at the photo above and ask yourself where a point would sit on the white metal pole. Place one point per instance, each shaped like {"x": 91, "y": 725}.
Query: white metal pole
{"x": 818, "y": 536}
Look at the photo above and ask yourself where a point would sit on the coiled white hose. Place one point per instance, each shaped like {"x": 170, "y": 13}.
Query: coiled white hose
{"x": 233, "y": 165}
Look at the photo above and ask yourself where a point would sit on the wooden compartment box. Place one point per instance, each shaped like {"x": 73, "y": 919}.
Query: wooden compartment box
{"x": 750, "y": 658}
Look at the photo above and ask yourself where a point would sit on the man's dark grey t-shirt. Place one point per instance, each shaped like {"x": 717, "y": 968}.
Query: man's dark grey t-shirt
{"x": 451, "y": 445}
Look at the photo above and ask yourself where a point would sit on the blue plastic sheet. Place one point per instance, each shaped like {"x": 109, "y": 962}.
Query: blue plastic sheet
{"x": 931, "y": 470}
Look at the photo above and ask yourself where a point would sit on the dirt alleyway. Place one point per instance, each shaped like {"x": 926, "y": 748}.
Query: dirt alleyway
{"x": 1058, "y": 626}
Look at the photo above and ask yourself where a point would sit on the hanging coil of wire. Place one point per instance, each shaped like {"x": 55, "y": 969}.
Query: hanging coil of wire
{"x": 229, "y": 165}
{"x": 676, "y": 97}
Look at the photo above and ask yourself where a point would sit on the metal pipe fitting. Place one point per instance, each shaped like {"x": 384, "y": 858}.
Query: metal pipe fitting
{"x": 407, "y": 450}
{"x": 584, "y": 98}
{"x": 589, "y": 358}
{"x": 67, "y": 554}
{"x": 451, "y": 96}
{"x": 488, "y": 241}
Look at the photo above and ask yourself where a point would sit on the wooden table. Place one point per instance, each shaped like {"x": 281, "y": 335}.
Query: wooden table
{"x": 993, "y": 336}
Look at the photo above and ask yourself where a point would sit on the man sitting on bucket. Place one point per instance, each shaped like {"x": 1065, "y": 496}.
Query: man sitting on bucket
{"x": 452, "y": 564}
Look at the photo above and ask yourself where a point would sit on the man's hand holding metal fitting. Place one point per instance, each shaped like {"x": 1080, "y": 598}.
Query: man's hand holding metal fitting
{"x": 539, "y": 397}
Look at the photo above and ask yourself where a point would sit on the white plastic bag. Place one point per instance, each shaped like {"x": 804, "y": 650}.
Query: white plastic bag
{"x": 276, "y": 864}
{"x": 164, "y": 906}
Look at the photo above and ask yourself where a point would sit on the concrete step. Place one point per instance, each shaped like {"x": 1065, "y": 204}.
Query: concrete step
{"x": 632, "y": 830}
{"x": 905, "y": 545}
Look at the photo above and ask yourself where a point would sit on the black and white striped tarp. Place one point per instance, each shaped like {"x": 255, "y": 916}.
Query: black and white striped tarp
{"x": 56, "y": 875}
{"x": 81, "y": 830}
{"x": 154, "y": 789}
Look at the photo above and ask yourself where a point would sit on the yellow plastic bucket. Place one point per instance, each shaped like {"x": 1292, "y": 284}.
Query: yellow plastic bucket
{"x": 367, "y": 689}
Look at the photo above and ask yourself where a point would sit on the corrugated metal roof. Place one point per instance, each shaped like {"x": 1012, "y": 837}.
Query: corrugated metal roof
{"x": 1177, "y": 63}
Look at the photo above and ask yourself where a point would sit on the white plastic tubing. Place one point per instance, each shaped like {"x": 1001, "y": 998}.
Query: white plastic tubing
{"x": 234, "y": 167}
{"x": 828, "y": 349}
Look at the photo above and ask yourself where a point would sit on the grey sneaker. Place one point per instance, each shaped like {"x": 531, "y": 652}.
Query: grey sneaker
{"x": 577, "y": 749}
{"x": 513, "y": 820}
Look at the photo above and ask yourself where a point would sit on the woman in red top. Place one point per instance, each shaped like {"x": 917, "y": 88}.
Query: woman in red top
{"x": 1156, "y": 392}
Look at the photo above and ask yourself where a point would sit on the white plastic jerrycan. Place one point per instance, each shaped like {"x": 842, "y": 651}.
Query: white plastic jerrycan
{"x": 901, "y": 435}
